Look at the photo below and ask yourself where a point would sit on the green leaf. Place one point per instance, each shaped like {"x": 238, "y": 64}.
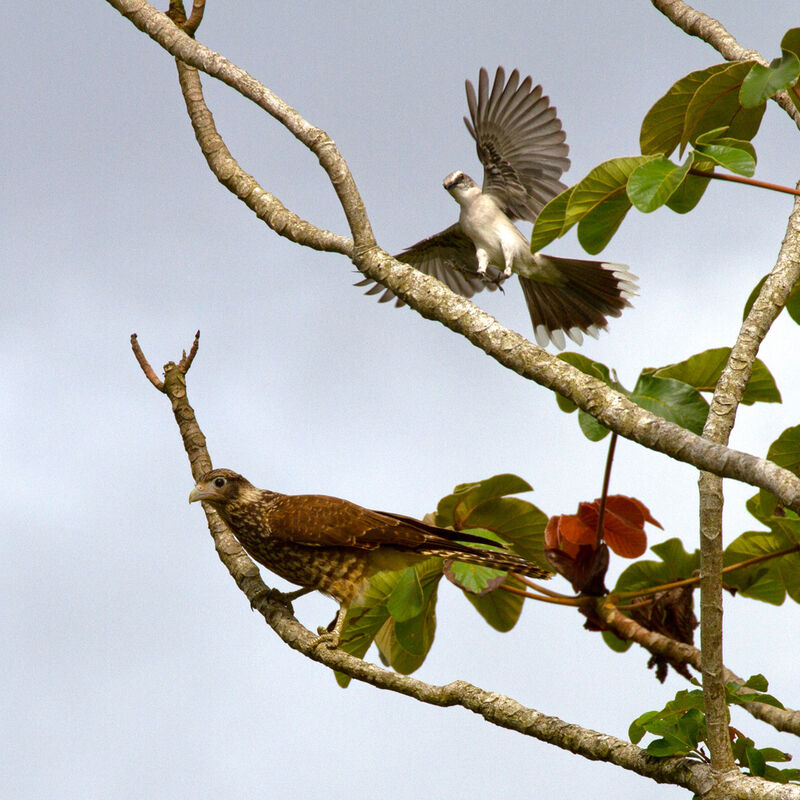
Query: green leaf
{"x": 672, "y": 400}
{"x": 676, "y": 564}
{"x": 652, "y": 184}
{"x": 615, "y": 643}
{"x": 791, "y": 41}
{"x": 599, "y": 202}
{"x": 591, "y": 428}
{"x": 715, "y": 104}
{"x": 680, "y": 724}
{"x": 551, "y": 222}
{"x": 599, "y": 225}
{"x": 663, "y": 123}
{"x": 763, "y": 82}
{"x": 454, "y": 510}
{"x": 757, "y": 682}
{"x": 769, "y": 580}
{"x": 688, "y": 194}
{"x": 732, "y": 154}
{"x": 500, "y": 609}
{"x": 484, "y": 505}
{"x": 785, "y": 452}
{"x": 405, "y": 639}
{"x": 702, "y": 371}
{"x": 407, "y": 599}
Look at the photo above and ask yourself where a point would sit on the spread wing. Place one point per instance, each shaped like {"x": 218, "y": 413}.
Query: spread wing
{"x": 448, "y": 256}
{"x": 322, "y": 521}
{"x": 520, "y": 143}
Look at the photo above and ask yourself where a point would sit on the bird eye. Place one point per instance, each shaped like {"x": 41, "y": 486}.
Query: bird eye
{"x": 219, "y": 482}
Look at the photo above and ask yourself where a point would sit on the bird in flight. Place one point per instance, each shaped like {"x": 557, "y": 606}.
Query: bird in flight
{"x": 520, "y": 143}
{"x": 336, "y": 546}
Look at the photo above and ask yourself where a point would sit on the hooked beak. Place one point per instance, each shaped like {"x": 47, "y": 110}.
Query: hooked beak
{"x": 201, "y": 492}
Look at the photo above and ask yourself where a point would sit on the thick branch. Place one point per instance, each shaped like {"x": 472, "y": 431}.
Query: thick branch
{"x": 722, "y": 415}
{"x": 435, "y": 301}
{"x": 495, "y": 708}
{"x": 713, "y": 32}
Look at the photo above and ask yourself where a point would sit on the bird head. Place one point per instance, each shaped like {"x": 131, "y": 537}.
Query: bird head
{"x": 460, "y": 185}
{"x": 219, "y": 487}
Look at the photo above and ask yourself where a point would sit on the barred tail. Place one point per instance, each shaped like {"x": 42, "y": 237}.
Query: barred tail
{"x": 590, "y": 292}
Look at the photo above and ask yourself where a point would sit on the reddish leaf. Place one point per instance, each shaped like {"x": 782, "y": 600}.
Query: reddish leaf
{"x": 577, "y": 528}
{"x": 623, "y": 539}
{"x": 632, "y": 510}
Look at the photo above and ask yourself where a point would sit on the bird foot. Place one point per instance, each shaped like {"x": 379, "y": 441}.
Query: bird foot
{"x": 326, "y": 638}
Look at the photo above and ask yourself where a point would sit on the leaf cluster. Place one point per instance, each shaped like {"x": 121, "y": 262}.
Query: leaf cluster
{"x": 716, "y": 111}
{"x": 681, "y": 730}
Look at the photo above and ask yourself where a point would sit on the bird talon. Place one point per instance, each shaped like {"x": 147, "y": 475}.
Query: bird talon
{"x": 325, "y": 638}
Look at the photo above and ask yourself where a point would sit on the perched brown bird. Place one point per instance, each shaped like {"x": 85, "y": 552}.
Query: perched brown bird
{"x": 333, "y": 545}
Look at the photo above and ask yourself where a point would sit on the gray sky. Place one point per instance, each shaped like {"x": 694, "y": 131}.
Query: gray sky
{"x": 132, "y": 666}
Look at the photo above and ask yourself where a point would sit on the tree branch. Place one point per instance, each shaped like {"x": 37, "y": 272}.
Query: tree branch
{"x": 266, "y": 206}
{"x": 498, "y": 709}
{"x": 713, "y": 32}
{"x": 434, "y": 300}
{"x": 162, "y": 30}
{"x": 782, "y": 719}
{"x": 719, "y": 423}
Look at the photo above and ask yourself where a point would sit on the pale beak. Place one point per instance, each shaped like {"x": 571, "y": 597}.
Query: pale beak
{"x": 200, "y": 492}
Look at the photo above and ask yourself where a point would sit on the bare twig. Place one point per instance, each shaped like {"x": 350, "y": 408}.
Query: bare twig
{"x": 145, "y": 364}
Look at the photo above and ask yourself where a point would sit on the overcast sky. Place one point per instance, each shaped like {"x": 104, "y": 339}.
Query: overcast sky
{"x": 131, "y": 665}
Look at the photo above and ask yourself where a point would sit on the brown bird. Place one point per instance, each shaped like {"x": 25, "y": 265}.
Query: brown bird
{"x": 333, "y": 545}
{"x": 522, "y": 148}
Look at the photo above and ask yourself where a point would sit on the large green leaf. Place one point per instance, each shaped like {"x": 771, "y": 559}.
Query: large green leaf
{"x": 652, "y": 184}
{"x": 663, "y": 123}
{"x": 454, "y": 509}
{"x": 770, "y": 580}
{"x": 688, "y": 194}
{"x": 398, "y": 612}
{"x": 764, "y": 82}
{"x": 676, "y": 564}
{"x": 702, "y": 371}
{"x": 500, "y": 609}
{"x": 715, "y": 104}
{"x": 672, "y": 400}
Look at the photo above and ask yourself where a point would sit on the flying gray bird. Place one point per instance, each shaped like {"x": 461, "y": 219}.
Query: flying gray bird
{"x": 520, "y": 143}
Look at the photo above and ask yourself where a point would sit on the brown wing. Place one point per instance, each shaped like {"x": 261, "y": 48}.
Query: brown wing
{"x": 449, "y": 256}
{"x": 322, "y": 521}
{"x": 520, "y": 143}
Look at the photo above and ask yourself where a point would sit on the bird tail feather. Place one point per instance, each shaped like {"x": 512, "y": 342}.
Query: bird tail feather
{"x": 589, "y": 292}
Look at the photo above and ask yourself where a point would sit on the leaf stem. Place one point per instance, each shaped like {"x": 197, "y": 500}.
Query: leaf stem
{"x": 689, "y": 581}
{"x": 775, "y": 187}
{"x": 612, "y": 446}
